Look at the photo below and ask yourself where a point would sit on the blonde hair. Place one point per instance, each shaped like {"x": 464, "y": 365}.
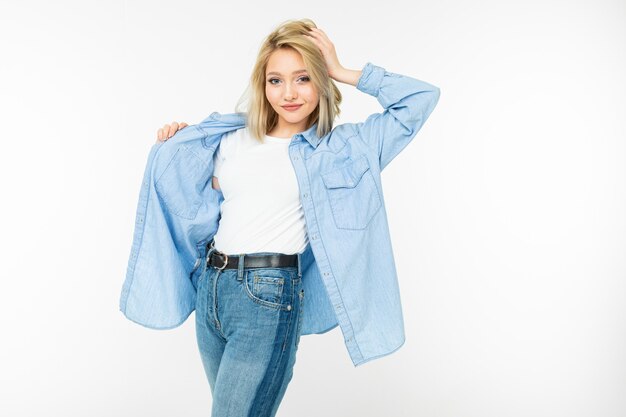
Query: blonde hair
{"x": 261, "y": 117}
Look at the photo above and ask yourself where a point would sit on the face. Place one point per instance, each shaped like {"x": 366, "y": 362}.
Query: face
{"x": 287, "y": 83}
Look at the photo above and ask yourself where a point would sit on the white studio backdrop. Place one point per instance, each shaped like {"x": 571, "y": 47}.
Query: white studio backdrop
{"x": 507, "y": 211}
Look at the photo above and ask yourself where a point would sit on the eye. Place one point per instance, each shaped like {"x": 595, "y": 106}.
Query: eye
{"x": 303, "y": 78}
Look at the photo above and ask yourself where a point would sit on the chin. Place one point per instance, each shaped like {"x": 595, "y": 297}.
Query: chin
{"x": 293, "y": 118}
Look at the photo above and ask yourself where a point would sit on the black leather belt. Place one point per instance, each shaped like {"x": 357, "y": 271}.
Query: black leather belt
{"x": 222, "y": 261}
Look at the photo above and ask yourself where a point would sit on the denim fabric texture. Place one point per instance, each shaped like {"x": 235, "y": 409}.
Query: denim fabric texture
{"x": 248, "y": 323}
{"x": 348, "y": 269}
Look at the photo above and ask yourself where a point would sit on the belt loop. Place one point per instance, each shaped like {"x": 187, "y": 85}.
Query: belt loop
{"x": 240, "y": 267}
{"x": 299, "y": 266}
{"x": 211, "y": 249}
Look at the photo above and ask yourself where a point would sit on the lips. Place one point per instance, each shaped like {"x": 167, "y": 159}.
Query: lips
{"x": 292, "y": 107}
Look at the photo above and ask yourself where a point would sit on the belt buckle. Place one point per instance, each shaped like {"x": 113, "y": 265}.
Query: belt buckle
{"x": 225, "y": 262}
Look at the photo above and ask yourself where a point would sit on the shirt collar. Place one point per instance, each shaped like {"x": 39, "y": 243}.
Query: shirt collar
{"x": 311, "y": 135}
{"x": 239, "y": 120}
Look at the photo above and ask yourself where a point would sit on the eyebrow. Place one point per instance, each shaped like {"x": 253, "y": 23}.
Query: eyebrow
{"x": 278, "y": 73}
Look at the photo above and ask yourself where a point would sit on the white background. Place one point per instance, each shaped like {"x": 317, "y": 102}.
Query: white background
{"x": 507, "y": 211}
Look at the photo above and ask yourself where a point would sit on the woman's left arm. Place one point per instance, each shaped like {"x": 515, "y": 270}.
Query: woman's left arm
{"x": 407, "y": 104}
{"x": 407, "y": 101}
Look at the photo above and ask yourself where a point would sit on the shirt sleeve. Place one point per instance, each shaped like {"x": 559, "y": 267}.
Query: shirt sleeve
{"x": 407, "y": 103}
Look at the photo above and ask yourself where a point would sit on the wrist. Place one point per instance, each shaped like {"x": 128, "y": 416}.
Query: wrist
{"x": 347, "y": 76}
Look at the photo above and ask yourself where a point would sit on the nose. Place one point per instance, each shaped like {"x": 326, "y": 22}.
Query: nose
{"x": 290, "y": 93}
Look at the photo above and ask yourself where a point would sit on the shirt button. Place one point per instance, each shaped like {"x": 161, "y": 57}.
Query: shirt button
{"x": 305, "y": 195}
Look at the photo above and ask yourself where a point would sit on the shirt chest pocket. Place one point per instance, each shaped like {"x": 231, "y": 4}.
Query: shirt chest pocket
{"x": 353, "y": 195}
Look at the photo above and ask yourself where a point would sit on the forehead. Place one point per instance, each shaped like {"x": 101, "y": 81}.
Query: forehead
{"x": 285, "y": 62}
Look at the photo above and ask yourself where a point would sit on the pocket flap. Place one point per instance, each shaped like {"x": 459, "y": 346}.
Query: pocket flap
{"x": 347, "y": 176}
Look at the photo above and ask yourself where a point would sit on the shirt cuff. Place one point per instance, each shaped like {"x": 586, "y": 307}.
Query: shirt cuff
{"x": 370, "y": 79}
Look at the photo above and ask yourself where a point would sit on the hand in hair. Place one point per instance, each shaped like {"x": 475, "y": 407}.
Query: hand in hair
{"x": 327, "y": 48}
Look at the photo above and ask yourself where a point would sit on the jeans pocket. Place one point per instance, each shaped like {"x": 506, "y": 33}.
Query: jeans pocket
{"x": 269, "y": 287}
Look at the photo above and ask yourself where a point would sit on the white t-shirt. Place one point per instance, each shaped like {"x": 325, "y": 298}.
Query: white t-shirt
{"x": 261, "y": 211}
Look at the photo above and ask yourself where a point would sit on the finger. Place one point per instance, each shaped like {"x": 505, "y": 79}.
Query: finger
{"x": 166, "y": 132}
{"x": 322, "y": 38}
{"x": 320, "y": 32}
{"x": 312, "y": 33}
{"x": 173, "y": 129}
{"x": 160, "y": 134}
{"x": 329, "y": 44}
{"x": 183, "y": 125}
{"x": 317, "y": 40}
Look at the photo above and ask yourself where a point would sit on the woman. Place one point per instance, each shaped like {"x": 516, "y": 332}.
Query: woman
{"x": 301, "y": 211}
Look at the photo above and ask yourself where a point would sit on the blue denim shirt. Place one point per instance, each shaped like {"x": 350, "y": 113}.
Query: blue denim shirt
{"x": 349, "y": 275}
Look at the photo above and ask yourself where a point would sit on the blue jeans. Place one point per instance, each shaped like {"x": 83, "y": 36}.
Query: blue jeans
{"x": 248, "y": 323}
